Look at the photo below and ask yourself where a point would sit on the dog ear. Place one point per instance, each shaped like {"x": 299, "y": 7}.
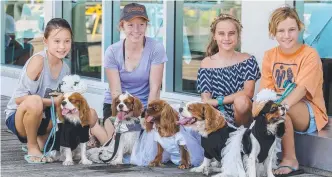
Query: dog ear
{"x": 84, "y": 112}
{"x": 280, "y": 130}
{"x": 168, "y": 120}
{"x": 266, "y": 108}
{"x": 213, "y": 120}
{"x": 138, "y": 107}
{"x": 114, "y": 110}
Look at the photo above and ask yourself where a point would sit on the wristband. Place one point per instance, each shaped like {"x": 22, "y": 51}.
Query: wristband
{"x": 220, "y": 100}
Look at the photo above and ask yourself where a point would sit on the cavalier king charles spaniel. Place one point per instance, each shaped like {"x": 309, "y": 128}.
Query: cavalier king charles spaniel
{"x": 127, "y": 111}
{"x": 252, "y": 151}
{"x": 73, "y": 122}
{"x": 211, "y": 125}
{"x": 168, "y": 135}
{"x": 74, "y": 129}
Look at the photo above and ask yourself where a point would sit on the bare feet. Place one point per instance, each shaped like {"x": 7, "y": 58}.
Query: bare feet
{"x": 293, "y": 163}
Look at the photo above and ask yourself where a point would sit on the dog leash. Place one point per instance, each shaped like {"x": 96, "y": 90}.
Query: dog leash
{"x": 53, "y": 130}
{"x": 116, "y": 147}
{"x": 289, "y": 88}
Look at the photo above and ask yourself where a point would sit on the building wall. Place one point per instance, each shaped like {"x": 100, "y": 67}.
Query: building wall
{"x": 254, "y": 19}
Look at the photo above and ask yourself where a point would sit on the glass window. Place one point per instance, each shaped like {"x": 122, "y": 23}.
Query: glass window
{"x": 86, "y": 21}
{"x": 194, "y": 36}
{"x": 317, "y": 18}
{"x": 318, "y": 26}
{"x": 154, "y": 9}
{"x": 24, "y": 26}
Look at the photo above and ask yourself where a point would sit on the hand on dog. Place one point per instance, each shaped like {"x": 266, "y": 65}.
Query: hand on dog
{"x": 55, "y": 93}
{"x": 58, "y": 99}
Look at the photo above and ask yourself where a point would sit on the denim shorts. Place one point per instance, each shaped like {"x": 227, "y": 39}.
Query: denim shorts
{"x": 10, "y": 123}
{"x": 312, "y": 122}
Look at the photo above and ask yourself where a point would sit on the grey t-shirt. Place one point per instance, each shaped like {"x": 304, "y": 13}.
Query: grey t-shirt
{"x": 135, "y": 82}
{"x": 42, "y": 87}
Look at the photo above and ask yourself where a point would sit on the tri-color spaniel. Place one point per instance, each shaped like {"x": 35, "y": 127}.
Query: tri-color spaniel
{"x": 211, "y": 125}
{"x": 74, "y": 130}
{"x": 168, "y": 134}
{"x": 252, "y": 151}
{"x": 127, "y": 111}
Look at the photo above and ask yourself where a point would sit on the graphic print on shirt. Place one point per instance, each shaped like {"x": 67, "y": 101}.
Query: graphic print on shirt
{"x": 47, "y": 92}
{"x": 283, "y": 72}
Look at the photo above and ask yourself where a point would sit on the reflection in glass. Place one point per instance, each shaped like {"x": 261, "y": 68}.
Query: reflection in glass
{"x": 197, "y": 18}
{"x": 87, "y": 30}
{"x": 24, "y": 26}
{"x": 317, "y": 18}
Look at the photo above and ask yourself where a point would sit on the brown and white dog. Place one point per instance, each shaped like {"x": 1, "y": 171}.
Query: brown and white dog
{"x": 165, "y": 120}
{"x": 127, "y": 111}
{"x": 252, "y": 151}
{"x": 211, "y": 125}
{"x": 74, "y": 130}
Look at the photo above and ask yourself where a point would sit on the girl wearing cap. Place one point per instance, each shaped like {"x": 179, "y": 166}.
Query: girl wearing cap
{"x": 294, "y": 62}
{"x": 134, "y": 64}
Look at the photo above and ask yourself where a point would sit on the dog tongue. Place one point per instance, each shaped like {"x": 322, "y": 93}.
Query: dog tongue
{"x": 64, "y": 111}
{"x": 149, "y": 118}
{"x": 184, "y": 120}
{"x": 121, "y": 115}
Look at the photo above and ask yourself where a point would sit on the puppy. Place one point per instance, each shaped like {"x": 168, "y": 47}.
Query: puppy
{"x": 74, "y": 130}
{"x": 211, "y": 125}
{"x": 127, "y": 109}
{"x": 72, "y": 83}
{"x": 252, "y": 150}
{"x": 168, "y": 134}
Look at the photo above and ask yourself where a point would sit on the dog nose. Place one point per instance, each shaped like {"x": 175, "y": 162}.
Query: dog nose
{"x": 180, "y": 109}
{"x": 120, "y": 106}
{"x": 63, "y": 103}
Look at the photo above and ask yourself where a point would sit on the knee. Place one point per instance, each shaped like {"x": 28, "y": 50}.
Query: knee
{"x": 33, "y": 104}
{"x": 93, "y": 116}
{"x": 242, "y": 103}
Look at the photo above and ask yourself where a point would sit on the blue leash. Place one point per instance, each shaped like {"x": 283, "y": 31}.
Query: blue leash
{"x": 289, "y": 88}
{"x": 53, "y": 131}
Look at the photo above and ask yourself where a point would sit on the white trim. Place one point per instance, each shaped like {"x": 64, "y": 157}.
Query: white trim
{"x": 2, "y": 31}
{"x": 178, "y": 97}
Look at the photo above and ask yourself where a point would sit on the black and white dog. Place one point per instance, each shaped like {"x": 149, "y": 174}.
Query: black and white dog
{"x": 252, "y": 151}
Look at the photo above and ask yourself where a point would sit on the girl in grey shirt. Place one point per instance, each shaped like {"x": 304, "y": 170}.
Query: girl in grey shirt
{"x": 28, "y": 111}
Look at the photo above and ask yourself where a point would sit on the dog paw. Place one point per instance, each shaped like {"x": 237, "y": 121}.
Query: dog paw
{"x": 85, "y": 162}
{"x": 156, "y": 164}
{"x": 68, "y": 163}
{"x": 206, "y": 171}
{"x": 199, "y": 169}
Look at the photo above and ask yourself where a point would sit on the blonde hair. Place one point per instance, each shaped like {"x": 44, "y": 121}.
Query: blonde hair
{"x": 281, "y": 14}
{"x": 212, "y": 48}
